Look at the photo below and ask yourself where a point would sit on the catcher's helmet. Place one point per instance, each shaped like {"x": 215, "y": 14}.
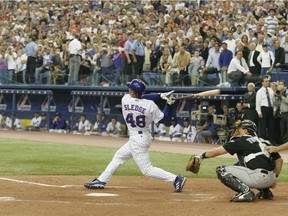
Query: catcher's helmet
{"x": 249, "y": 125}
{"x": 138, "y": 86}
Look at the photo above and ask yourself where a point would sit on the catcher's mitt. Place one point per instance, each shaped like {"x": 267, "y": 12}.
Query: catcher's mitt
{"x": 193, "y": 164}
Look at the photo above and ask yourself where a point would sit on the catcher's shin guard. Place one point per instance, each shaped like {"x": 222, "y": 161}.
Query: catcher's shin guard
{"x": 231, "y": 181}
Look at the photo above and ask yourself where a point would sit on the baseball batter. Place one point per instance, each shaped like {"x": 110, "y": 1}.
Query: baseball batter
{"x": 256, "y": 168}
{"x": 138, "y": 114}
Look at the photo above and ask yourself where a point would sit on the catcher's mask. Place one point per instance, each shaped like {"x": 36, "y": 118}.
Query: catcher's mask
{"x": 246, "y": 124}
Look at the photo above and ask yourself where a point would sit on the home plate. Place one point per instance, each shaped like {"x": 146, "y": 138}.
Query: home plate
{"x": 101, "y": 194}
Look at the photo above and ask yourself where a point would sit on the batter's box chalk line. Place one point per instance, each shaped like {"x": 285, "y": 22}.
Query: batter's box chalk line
{"x": 38, "y": 184}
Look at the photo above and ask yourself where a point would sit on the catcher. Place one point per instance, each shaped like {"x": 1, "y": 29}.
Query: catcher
{"x": 256, "y": 168}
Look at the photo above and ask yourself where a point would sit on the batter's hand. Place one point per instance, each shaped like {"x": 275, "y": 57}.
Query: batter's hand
{"x": 168, "y": 97}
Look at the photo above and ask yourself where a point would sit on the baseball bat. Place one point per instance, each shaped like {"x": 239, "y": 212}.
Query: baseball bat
{"x": 201, "y": 94}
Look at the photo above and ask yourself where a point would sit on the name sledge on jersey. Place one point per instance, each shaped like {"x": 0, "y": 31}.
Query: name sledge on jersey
{"x": 135, "y": 108}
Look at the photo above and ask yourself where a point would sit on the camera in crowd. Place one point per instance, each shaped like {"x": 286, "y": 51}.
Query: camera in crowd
{"x": 280, "y": 92}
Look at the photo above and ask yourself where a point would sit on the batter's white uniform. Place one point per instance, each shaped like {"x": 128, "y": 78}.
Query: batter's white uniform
{"x": 138, "y": 115}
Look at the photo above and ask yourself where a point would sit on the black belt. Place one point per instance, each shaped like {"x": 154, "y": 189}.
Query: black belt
{"x": 264, "y": 171}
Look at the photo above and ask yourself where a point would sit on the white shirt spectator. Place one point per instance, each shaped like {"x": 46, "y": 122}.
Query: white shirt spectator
{"x": 265, "y": 58}
{"x": 236, "y": 64}
{"x": 74, "y": 47}
{"x": 11, "y": 60}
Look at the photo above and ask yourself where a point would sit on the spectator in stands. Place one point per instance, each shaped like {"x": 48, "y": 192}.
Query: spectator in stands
{"x": 271, "y": 23}
{"x": 260, "y": 42}
{"x": 285, "y": 46}
{"x": 85, "y": 69}
{"x": 117, "y": 59}
{"x": 238, "y": 70}
{"x": 127, "y": 71}
{"x": 38, "y": 65}
{"x": 252, "y": 62}
{"x": 11, "y": 57}
{"x": 194, "y": 66}
{"x": 165, "y": 63}
{"x": 47, "y": 62}
{"x": 20, "y": 71}
{"x": 238, "y": 34}
{"x": 147, "y": 51}
{"x": 30, "y": 50}
{"x": 175, "y": 130}
{"x": 74, "y": 49}
{"x": 59, "y": 124}
{"x": 279, "y": 57}
{"x": 138, "y": 54}
{"x": 49, "y": 23}
{"x": 173, "y": 72}
{"x": 231, "y": 44}
{"x": 266, "y": 59}
{"x": 212, "y": 65}
{"x": 57, "y": 68}
{"x": 3, "y": 67}
{"x": 113, "y": 128}
{"x": 224, "y": 61}
{"x": 183, "y": 64}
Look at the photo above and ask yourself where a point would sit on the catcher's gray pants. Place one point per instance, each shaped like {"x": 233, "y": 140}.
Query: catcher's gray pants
{"x": 258, "y": 178}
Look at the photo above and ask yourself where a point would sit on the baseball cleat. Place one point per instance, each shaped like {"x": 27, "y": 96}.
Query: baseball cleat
{"x": 95, "y": 184}
{"x": 179, "y": 184}
{"x": 265, "y": 193}
{"x": 244, "y": 197}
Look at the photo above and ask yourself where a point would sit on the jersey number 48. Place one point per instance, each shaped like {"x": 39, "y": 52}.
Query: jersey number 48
{"x": 139, "y": 120}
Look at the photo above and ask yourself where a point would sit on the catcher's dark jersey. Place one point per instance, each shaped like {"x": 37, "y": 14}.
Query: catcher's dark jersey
{"x": 247, "y": 145}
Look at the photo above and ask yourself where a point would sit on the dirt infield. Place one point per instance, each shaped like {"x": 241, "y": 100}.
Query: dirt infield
{"x": 65, "y": 195}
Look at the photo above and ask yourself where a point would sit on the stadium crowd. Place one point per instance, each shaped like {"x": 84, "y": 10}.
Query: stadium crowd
{"x": 184, "y": 43}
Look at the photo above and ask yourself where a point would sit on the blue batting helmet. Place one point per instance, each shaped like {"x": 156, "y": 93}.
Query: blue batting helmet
{"x": 138, "y": 86}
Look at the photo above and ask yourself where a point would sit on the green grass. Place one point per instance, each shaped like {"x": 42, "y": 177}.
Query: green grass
{"x": 23, "y": 157}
